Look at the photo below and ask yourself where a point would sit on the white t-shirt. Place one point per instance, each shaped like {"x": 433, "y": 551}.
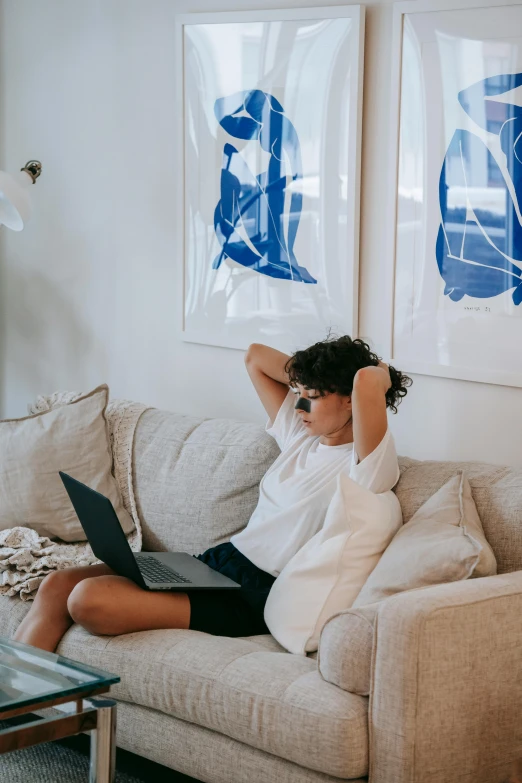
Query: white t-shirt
{"x": 296, "y": 490}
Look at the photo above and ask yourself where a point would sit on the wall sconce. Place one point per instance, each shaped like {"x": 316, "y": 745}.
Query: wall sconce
{"x": 15, "y": 204}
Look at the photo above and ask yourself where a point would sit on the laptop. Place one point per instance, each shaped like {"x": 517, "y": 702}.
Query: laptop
{"x": 177, "y": 571}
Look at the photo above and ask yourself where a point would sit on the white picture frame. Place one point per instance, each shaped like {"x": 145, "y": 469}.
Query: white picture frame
{"x": 295, "y": 281}
{"x": 448, "y": 152}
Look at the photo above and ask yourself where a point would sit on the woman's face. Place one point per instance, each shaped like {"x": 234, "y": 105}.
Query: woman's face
{"x": 330, "y": 416}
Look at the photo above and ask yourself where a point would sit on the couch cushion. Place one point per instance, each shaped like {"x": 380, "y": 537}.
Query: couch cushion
{"x": 443, "y": 542}
{"x": 196, "y": 480}
{"x": 202, "y": 753}
{"x": 73, "y": 438}
{"x": 327, "y": 573}
{"x": 270, "y": 700}
{"x": 12, "y": 612}
{"x": 497, "y": 492}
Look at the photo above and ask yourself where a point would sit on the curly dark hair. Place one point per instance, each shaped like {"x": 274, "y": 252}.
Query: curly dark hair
{"x": 331, "y": 366}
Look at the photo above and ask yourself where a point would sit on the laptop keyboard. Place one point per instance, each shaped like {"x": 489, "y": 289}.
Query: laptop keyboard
{"x": 155, "y": 571}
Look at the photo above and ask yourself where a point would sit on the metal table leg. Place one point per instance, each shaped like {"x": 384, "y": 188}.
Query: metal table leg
{"x": 103, "y": 742}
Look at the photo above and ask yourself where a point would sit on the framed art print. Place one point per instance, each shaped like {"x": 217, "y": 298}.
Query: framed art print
{"x": 457, "y": 154}
{"x": 268, "y": 194}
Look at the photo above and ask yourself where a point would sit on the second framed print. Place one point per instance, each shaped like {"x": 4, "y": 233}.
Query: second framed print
{"x": 269, "y": 158}
{"x": 457, "y": 235}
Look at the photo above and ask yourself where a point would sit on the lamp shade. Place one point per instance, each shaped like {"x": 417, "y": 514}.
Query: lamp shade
{"x": 15, "y": 205}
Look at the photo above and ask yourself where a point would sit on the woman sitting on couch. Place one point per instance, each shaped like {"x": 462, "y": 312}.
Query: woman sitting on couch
{"x": 327, "y": 407}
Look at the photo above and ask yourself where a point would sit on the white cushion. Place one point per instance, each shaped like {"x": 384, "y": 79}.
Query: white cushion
{"x": 327, "y": 573}
{"x": 443, "y": 542}
{"x": 72, "y": 438}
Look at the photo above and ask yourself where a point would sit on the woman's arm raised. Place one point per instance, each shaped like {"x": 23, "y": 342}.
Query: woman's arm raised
{"x": 370, "y": 421}
{"x": 271, "y": 361}
{"x": 265, "y": 367}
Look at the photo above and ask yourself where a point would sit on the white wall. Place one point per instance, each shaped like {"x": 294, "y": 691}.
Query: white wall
{"x": 90, "y": 292}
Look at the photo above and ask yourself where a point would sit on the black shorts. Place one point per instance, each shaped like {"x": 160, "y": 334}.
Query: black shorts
{"x": 231, "y": 612}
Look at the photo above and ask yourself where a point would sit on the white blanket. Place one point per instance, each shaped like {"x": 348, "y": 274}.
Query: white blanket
{"x": 26, "y": 557}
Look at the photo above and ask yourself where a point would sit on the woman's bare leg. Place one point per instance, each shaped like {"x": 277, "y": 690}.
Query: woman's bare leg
{"x": 48, "y": 618}
{"x": 100, "y": 601}
{"x": 113, "y": 605}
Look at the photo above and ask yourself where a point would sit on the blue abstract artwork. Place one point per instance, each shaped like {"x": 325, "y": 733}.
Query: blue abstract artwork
{"x": 251, "y": 221}
{"x": 478, "y": 246}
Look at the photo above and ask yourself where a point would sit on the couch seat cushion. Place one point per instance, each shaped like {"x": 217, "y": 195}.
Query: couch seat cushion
{"x": 12, "y": 612}
{"x": 243, "y": 688}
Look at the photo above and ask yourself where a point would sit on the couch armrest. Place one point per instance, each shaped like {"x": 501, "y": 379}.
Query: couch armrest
{"x": 346, "y": 645}
{"x": 345, "y": 648}
{"x": 446, "y": 683}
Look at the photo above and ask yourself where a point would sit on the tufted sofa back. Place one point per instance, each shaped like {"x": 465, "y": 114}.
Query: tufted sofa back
{"x": 197, "y": 481}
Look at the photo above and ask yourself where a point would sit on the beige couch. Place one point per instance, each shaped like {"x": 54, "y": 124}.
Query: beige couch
{"x": 445, "y": 695}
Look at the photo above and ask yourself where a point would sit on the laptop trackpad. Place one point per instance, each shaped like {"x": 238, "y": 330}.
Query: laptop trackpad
{"x": 200, "y": 574}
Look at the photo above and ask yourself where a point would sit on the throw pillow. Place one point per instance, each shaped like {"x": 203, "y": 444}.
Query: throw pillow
{"x": 73, "y": 438}
{"x": 443, "y": 542}
{"x": 327, "y": 573}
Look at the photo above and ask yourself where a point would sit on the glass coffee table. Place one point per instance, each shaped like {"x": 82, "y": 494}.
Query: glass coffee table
{"x": 33, "y": 679}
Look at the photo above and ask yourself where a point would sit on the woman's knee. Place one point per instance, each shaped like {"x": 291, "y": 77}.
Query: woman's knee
{"x": 56, "y": 586}
{"x": 87, "y": 607}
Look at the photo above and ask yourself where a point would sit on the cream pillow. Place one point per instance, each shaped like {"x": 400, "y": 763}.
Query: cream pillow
{"x": 327, "y": 573}
{"x": 73, "y": 438}
{"x": 443, "y": 542}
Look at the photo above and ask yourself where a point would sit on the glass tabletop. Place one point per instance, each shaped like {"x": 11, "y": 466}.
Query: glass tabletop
{"x": 29, "y": 676}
